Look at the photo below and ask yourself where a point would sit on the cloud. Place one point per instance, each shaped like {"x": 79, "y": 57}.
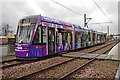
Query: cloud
{"x": 13, "y": 10}
{"x": 34, "y": 7}
{"x": 11, "y": 14}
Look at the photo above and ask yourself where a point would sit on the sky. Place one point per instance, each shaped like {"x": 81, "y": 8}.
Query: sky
{"x": 12, "y": 11}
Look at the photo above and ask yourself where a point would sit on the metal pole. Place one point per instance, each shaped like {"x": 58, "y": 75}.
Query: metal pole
{"x": 108, "y": 30}
{"x": 84, "y": 20}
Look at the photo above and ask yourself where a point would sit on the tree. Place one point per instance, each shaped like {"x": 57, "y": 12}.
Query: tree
{"x": 6, "y": 29}
{"x": 11, "y": 32}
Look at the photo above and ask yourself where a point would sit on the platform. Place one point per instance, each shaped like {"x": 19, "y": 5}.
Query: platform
{"x": 114, "y": 54}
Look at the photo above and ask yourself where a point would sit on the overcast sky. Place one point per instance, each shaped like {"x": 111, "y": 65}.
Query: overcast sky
{"x": 12, "y": 11}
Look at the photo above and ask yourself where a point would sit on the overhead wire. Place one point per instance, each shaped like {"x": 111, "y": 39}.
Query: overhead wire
{"x": 102, "y": 10}
{"x": 66, "y": 7}
{"x": 104, "y": 13}
{"x": 100, "y": 23}
{"x": 82, "y": 14}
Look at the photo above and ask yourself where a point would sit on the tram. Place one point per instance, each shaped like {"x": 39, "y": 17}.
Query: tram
{"x": 39, "y": 36}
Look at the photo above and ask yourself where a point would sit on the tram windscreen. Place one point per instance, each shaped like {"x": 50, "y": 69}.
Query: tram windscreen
{"x": 24, "y": 33}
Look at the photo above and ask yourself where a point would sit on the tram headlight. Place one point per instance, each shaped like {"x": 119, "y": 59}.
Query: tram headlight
{"x": 19, "y": 47}
{"x": 22, "y": 48}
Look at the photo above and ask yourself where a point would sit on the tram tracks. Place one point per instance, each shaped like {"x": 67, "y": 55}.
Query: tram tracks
{"x": 105, "y": 49}
{"x": 62, "y": 70}
{"x": 88, "y": 62}
{"x": 47, "y": 68}
{"x": 59, "y": 71}
{"x": 17, "y": 62}
{"x": 12, "y": 63}
{"x": 94, "y": 50}
{"x": 25, "y": 74}
{"x": 85, "y": 64}
{"x": 74, "y": 61}
{"x": 110, "y": 47}
{"x": 95, "y": 69}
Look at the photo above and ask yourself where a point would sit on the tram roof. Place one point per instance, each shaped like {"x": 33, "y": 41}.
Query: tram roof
{"x": 32, "y": 16}
{"x": 77, "y": 26}
{"x": 51, "y": 20}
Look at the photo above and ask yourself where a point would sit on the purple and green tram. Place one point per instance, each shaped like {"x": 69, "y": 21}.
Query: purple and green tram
{"x": 39, "y": 36}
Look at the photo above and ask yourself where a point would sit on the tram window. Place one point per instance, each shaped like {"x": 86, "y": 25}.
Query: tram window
{"x": 89, "y": 37}
{"x": 29, "y": 20}
{"x": 37, "y": 38}
{"x": 59, "y": 38}
{"x": 33, "y": 20}
{"x": 20, "y": 22}
{"x": 64, "y": 37}
{"x": 82, "y": 38}
{"x": 25, "y": 21}
{"x": 77, "y": 37}
{"x": 44, "y": 35}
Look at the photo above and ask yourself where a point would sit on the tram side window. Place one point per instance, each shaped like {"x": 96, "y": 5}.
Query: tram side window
{"x": 89, "y": 37}
{"x": 44, "y": 35}
{"x": 83, "y": 37}
{"x": 77, "y": 37}
{"x": 64, "y": 37}
{"x": 37, "y": 38}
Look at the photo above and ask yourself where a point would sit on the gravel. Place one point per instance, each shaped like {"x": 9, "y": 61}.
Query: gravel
{"x": 6, "y": 58}
{"x": 21, "y": 70}
{"x": 60, "y": 70}
{"x": 98, "y": 69}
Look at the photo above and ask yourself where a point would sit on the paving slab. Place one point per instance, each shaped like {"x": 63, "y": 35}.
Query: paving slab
{"x": 103, "y": 56}
{"x": 89, "y": 55}
{"x": 74, "y": 55}
{"x": 109, "y": 57}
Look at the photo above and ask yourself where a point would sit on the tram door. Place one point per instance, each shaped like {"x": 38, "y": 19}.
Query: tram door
{"x": 51, "y": 40}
